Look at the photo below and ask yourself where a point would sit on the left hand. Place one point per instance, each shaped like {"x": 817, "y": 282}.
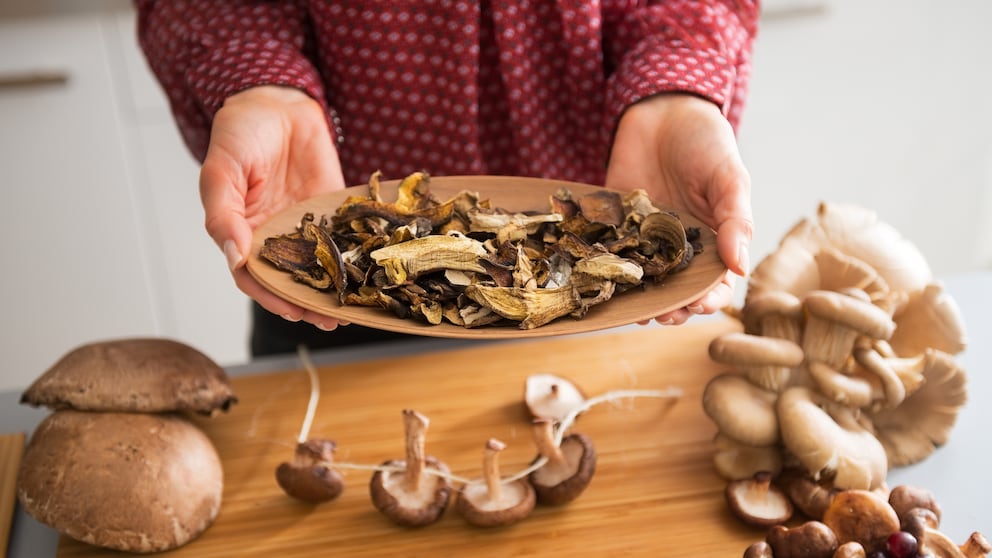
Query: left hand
{"x": 683, "y": 152}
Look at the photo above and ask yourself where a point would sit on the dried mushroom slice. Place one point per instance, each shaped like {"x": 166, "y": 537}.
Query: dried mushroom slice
{"x": 137, "y": 375}
{"x": 576, "y": 253}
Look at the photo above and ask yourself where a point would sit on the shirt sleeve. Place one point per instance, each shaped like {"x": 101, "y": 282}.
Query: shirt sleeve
{"x": 691, "y": 46}
{"x": 203, "y": 51}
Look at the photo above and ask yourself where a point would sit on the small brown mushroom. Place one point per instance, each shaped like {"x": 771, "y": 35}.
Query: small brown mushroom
{"x": 411, "y": 497}
{"x": 811, "y": 497}
{"x": 758, "y": 502}
{"x": 863, "y": 517}
{"x": 569, "y": 468}
{"x": 905, "y": 498}
{"x": 812, "y": 539}
{"x": 147, "y": 375}
{"x": 550, "y": 396}
{"x": 768, "y": 362}
{"x": 310, "y": 477}
{"x": 850, "y": 549}
{"x": 760, "y": 549}
{"x": 495, "y": 503}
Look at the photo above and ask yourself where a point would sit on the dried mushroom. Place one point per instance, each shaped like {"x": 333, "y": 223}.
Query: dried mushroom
{"x": 463, "y": 261}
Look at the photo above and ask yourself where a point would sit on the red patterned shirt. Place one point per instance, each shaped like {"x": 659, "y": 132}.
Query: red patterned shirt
{"x": 529, "y": 88}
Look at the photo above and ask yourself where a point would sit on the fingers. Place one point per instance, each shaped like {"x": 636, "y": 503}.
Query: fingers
{"x": 222, "y": 187}
{"x": 280, "y": 307}
{"x": 716, "y": 299}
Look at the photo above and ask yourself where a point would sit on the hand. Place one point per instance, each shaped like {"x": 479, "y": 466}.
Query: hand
{"x": 269, "y": 148}
{"x": 683, "y": 152}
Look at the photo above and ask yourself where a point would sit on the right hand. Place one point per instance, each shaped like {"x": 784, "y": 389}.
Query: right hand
{"x": 270, "y": 147}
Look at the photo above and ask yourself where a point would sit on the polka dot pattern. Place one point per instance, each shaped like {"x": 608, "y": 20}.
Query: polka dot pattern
{"x": 531, "y": 88}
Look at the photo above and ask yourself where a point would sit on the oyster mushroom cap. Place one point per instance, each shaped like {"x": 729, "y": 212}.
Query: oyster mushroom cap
{"x": 766, "y": 361}
{"x": 840, "y": 271}
{"x": 734, "y": 460}
{"x": 930, "y": 319}
{"x": 828, "y": 440}
{"x": 136, "y": 482}
{"x": 925, "y": 419}
{"x": 776, "y": 314}
{"x": 728, "y": 397}
{"x": 791, "y": 268}
{"x": 133, "y": 375}
{"x": 847, "y": 389}
{"x": 860, "y": 233}
{"x": 835, "y": 321}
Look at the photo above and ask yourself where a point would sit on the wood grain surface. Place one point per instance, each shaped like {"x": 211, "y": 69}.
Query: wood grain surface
{"x": 11, "y": 451}
{"x": 654, "y": 493}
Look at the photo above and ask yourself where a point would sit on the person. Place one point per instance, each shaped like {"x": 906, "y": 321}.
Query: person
{"x": 284, "y": 100}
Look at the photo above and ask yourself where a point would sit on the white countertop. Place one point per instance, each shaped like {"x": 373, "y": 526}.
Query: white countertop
{"x": 958, "y": 474}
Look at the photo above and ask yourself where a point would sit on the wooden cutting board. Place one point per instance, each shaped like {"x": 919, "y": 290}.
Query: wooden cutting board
{"x": 654, "y": 493}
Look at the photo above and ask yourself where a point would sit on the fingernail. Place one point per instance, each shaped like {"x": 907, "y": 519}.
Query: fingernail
{"x": 323, "y": 327}
{"x": 289, "y": 318}
{"x": 695, "y": 309}
{"x": 669, "y": 321}
{"x": 742, "y": 257}
{"x": 232, "y": 254}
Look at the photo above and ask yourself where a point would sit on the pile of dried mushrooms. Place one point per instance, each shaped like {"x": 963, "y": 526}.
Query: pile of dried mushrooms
{"x": 472, "y": 264}
{"x": 845, "y": 365}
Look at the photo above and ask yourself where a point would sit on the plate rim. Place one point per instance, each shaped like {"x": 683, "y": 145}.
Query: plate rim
{"x": 281, "y": 284}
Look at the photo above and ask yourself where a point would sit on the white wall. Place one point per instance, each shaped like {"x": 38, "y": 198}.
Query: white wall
{"x": 884, "y": 104}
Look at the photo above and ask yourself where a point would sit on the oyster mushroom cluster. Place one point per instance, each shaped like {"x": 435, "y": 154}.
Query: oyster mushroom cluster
{"x": 118, "y": 463}
{"x": 463, "y": 261}
{"x": 845, "y": 366}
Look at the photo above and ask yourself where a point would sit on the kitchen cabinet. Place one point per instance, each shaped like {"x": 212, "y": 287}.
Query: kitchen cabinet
{"x": 99, "y": 212}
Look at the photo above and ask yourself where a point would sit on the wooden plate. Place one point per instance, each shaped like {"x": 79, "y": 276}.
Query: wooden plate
{"x": 514, "y": 194}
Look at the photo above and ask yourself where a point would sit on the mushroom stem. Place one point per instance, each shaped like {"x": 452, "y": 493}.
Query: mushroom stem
{"x": 490, "y": 469}
{"x": 415, "y": 426}
{"x": 544, "y": 436}
{"x": 304, "y": 355}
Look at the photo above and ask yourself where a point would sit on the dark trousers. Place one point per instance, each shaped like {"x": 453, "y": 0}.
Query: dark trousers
{"x": 272, "y": 335}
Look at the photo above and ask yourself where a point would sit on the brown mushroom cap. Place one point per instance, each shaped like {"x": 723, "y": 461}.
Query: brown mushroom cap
{"x": 863, "y": 517}
{"x": 555, "y": 484}
{"x": 812, "y": 539}
{"x": 127, "y": 481}
{"x": 411, "y": 508}
{"x": 495, "y": 503}
{"x": 146, "y": 375}
{"x": 310, "y": 476}
{"x": 758, "y": 502}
